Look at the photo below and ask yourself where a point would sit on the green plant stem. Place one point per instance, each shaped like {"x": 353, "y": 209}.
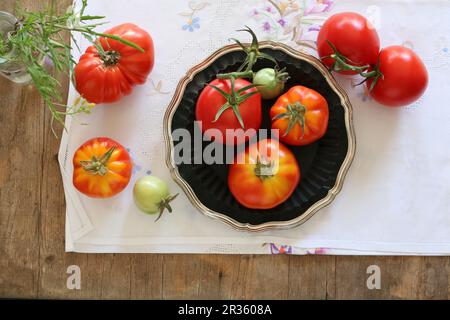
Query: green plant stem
{"x": 40, "y": 35}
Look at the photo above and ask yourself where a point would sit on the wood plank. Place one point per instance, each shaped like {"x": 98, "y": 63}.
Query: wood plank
{"x": 21, "y": 142}
{"x": 312, "y": 277}
{"x": 401, "y": 277}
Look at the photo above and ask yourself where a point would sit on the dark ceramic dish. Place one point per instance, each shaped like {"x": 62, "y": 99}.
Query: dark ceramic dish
{"x": 323, "y": 164}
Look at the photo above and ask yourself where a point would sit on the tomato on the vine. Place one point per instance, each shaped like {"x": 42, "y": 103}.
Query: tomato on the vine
{"x": 301, "y": 116}
{"x": 349, "y": 37}
{"x": 233, "y": 107}
{"x": 106, "y": 75}
{"x": 403, "y": 77}
{"x": 265, "y": 176}
{"x": 102, "y": 168}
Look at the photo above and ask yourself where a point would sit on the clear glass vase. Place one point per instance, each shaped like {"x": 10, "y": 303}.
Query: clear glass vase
{"x": 10, "y": 67}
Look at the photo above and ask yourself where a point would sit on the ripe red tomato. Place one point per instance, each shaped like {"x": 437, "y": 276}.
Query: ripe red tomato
{"x": 354, "y": 38}
{"x": 209, "y": 110}
{"x": 106, "y": 77}
{"x": 102, "y": 168}
{"x": 301, "y": 115}
{"x": 267, "y": 176}
{"x": 404, "y": 77}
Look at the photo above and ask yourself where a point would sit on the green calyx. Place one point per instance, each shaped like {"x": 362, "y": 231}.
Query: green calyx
{"x": 342, "y": 63}
{"x": 98, "y": 165}
{"x": 253, "y": 55}
{"x": 110, "y": 58}
{"x": 295, "y": 114}
{"x": 281, "y": 75}
{"x": 234, "y": 99}
{"x": 264, "y": 169}
{"x": 165, "y": 205}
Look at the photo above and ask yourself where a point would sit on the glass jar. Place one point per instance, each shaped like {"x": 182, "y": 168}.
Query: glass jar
{"x": 10, "y": 67}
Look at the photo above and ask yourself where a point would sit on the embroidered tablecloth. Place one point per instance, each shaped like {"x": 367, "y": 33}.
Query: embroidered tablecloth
{"x": 396, "y": 196}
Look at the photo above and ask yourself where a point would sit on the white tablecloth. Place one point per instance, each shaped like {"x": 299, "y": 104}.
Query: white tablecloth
{"x": 396, "y": 196}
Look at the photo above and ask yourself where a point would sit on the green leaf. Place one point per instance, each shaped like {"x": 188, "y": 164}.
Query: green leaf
{"x": 221, "y": 110}
{"x": 263, "y": 55}
{"x": 88, "y": 18}
{"x": 119, "y": 39}
{"x": 246, "y": 96}
{"x": 223, "y": 93}
{"x": 238, "y": 115}
{"x": 239, "y": 43}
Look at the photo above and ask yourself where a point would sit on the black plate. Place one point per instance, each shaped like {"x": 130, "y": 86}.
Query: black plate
{"x": 319, "y": 162}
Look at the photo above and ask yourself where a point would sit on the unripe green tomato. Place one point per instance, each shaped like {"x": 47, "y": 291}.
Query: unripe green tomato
{"x": 270, "y": 86}
{"x": 149, "y": 192}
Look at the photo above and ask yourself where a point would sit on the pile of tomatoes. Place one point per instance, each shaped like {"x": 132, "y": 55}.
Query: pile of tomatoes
{"x": 230, "y": 106}
{"x": 230, "y": 109}
{"x": 106, "y": 72}
{"x": 348, "y": 44}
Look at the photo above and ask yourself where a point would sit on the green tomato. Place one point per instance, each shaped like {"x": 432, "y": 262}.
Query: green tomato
{"x": 270, "y": 82}
{"x": 151, "y": 195}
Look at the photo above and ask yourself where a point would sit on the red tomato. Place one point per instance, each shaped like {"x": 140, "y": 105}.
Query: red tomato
{"x": 102, "y": 168}
{"x": 106, "y": 77}
{"x": 301, "y": 115}
{"x": 404, "y": 79}
{"x": 353, "y": 36}
{"x": 212, "y": 100}
{"x": 267, "y": 176}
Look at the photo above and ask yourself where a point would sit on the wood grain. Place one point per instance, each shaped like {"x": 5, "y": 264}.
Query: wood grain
{"x": 33, "y": 262}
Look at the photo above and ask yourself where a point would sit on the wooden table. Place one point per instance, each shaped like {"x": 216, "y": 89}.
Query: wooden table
{"x": 33, "y": 262}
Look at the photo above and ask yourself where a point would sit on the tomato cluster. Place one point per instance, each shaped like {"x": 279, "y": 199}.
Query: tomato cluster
{"x": 231, "y": 104}
{"x": 347, "y": 43}
{"x": 267, "y": 172}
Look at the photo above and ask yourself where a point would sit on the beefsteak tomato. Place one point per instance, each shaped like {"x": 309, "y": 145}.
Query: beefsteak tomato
{"x": 353, "y": 37}
{"x": 233, "y": 107}
{"x": 301, "y": 116}
{"x": 102, "y": 168}
{"x": 106, "y": 76}
{"x": 265, "y": 176}
{"x": 403, "y": 78}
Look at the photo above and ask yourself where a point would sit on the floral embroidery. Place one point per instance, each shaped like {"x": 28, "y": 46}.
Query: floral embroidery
{"x": 318, "y": 251}
{"x": 282, "y": 249}
{"x": 157, "y": 88}
{"x": 297, "y": 21}
{"x": 193, "y": 22}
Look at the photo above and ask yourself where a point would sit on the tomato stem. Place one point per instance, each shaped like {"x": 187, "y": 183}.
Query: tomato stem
{"x": 234, "y": 99}
{"x": 98, "y": 165}
{"x": 165, "y": 204}
{"x": 264, "y": 169}
{"x": 110, "y": 58}
{"x": 242, "y": 74}
{"x": 342, "y": 63}
{"x": 253, "y": 55}
{"x": 281, "y": 75}
{"x": 296, "y": 114}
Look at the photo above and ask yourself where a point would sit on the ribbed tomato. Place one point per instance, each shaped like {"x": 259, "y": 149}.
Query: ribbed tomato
{"x": 301, "y": 116}
{"x": 104, "y": 77}
{"x": 102, "y": 168}
{"x": 264, "y": 176}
